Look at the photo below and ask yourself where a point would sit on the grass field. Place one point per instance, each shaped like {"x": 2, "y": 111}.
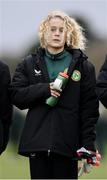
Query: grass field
{"x": 14, "y": 166}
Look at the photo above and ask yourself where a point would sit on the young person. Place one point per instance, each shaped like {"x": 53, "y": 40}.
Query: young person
{"x": 5, "y": 106}
{"x": 102, "y": 84}
{"x": 52, "y": 134}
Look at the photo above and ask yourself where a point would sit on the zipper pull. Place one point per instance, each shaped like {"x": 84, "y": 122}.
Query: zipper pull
{"x": 32, "y": 155}
{"x": 48, "y": 152}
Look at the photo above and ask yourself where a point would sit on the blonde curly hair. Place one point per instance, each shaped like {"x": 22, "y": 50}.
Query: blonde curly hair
{"x": 75, "y": 33}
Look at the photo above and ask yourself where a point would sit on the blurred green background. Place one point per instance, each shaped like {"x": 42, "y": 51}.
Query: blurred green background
{"x": 12, "y": 165}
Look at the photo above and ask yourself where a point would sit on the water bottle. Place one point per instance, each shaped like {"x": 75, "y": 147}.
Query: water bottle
{"x": 59, "y": 83}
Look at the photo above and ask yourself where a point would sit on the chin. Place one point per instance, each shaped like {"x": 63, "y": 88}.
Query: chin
{"x": 56, "y": 46}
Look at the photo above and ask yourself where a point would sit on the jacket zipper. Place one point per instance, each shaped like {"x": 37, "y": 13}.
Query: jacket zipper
{"x": 49, "y": 152}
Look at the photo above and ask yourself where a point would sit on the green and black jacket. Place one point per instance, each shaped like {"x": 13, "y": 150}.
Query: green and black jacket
{"x": 71, "y": 123}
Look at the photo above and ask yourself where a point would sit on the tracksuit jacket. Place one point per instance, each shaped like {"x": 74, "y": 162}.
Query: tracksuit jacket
{"x": 5, "y": 106}
{"x": 70, "y": 124}
{"x": 102, "y": 84}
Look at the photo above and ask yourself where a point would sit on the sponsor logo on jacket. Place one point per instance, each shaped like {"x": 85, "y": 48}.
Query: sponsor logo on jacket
{"x": 37, "y": 72}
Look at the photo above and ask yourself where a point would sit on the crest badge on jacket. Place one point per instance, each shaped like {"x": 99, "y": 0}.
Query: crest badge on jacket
{"x": 76, "y": 76}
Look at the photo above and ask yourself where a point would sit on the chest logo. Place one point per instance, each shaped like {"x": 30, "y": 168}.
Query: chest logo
{"x": 37, "y": 73}
{"x": 76, "y": 76}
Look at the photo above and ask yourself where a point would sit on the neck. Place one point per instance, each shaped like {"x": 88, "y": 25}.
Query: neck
{"x": 55, "y": 50}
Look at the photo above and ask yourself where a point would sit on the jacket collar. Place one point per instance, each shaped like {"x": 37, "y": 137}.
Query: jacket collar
{"x": 77, "y": 55}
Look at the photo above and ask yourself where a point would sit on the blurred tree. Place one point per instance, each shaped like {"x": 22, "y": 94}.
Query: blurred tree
{"x": 17, "y": 126}
{"x": 102, "y": 135}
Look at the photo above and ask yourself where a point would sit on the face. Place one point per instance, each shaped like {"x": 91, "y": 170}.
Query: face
{"x": 55, "y": 35}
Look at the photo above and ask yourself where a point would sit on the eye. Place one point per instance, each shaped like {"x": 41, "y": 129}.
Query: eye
{"x": 61, "y": 30}
{"x": 53, "y": 29}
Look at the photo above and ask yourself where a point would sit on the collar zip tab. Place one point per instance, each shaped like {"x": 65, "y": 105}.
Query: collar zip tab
{"x": 49, "y": 152}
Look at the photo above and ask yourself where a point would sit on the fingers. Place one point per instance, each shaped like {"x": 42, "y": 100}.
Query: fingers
{"x": 54, "y": 92}
{"x": 51, "y": 85}
{"x": 54, "y": 87}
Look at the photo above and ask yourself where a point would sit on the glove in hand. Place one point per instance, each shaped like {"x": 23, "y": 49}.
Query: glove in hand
{"x": 89, "y": 159}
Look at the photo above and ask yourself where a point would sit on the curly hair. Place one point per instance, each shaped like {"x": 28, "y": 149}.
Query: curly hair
{"x": 75, "y": 33}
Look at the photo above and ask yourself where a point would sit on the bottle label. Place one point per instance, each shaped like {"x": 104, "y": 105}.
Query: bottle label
{"x": 57, "y": 84}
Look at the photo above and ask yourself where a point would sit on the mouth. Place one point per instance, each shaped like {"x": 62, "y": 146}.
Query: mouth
{"x": 56, "y": 40}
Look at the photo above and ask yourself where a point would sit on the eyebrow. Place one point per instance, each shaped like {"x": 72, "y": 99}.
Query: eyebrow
{"x": 56, "y": 26}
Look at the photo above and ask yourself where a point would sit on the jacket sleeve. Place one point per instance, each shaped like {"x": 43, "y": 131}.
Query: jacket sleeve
{"x": 5, "y": 105}
{"x": 89, "y": 105}
{"x": 25, "y": 95}
{"x": 102, "y": 84}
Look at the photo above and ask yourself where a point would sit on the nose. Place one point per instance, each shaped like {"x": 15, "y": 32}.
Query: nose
{"x": 57, "y": 32}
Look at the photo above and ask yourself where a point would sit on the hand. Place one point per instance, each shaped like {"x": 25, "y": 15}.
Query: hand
{"x": 89, "y": 159}
{"x": 95, "y": 159}
{"x": 92, "y": 157}
{"x": 54, "y": 92}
